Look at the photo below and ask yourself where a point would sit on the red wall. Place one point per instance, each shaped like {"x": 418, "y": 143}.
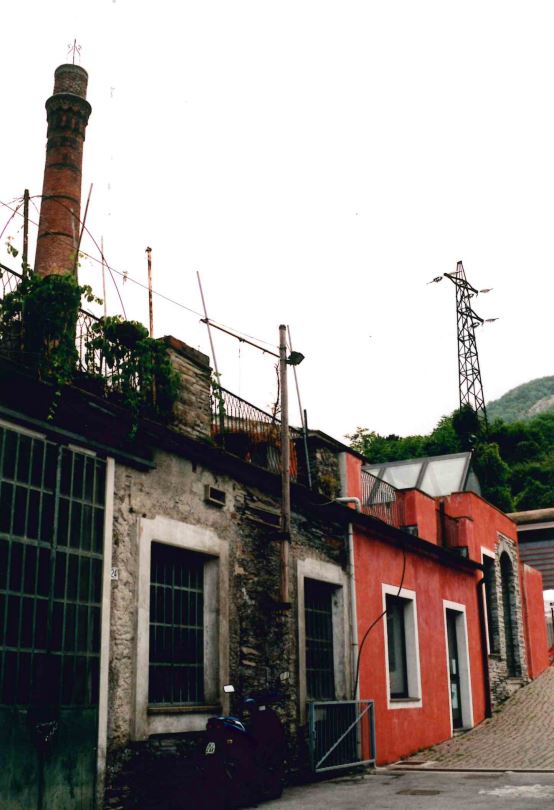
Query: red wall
{"x": 487, "y": 521}
{"x": 353, "y": 476}
{"x": 420, "y": 510}
{"x": 404, "y": 730}
{"x": 533, "y": 617}
{"x": 401, "y": 731}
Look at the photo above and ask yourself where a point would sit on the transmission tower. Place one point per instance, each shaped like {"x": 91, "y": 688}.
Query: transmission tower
{"x": 469, "y": 372}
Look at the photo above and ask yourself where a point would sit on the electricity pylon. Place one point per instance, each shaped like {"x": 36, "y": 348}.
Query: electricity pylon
{"x": 469, "y": 372}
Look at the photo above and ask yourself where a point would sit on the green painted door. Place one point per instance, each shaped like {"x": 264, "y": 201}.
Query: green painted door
{"x": 51, "y": 541}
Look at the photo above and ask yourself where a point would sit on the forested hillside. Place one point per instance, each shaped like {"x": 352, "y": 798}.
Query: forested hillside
{"x": 514, "y": 461}
{"x": 524, "y": 402}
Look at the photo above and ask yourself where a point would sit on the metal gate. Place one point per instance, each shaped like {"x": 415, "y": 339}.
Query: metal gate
{"x": 51, "y": 542}
{"x": 342, "y": 734}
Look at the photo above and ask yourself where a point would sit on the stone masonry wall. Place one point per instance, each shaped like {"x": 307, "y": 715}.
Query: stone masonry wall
{"x": 502, "y": 684}
{"x": 325, "y": 470}
{"x": 192, "y": 411}
{"x": 262, "y": 642}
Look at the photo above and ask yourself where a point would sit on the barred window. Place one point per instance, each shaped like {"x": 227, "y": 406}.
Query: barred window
{"x": 176, "y": 626}
{"x": 318, "y": 607}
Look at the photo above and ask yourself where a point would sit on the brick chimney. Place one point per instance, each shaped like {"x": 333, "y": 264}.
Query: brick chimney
{"x": 67, "y": 113}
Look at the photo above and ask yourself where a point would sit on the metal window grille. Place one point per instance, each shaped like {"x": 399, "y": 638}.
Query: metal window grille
{"x": 51, "y": 544}
{"x": 318, "y": 607}
{"x": 176, "y": 626}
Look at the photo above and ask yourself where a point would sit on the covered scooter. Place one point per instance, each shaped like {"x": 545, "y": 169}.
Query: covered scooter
{"x": 241, "y": 760}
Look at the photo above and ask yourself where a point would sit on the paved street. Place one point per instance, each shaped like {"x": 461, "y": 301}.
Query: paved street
{"x": 518, "y": 737}
{"x": 423, "y": 790}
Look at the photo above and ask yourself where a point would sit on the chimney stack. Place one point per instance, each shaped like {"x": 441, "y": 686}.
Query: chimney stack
{"x": 67, "y": 113}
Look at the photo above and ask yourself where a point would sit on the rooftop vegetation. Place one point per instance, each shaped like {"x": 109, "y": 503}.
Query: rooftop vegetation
{"x": 38, "y": 321}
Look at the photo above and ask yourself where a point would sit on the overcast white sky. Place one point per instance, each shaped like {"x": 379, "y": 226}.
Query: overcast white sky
{"x": 318, "y": 163}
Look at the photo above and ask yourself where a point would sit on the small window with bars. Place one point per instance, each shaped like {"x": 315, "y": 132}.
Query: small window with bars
{"x": 320, "y": 668}
{"x": 176, "y": 675}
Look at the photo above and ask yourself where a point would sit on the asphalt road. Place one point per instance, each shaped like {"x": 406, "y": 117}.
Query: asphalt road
{"x": 421, "y": 790}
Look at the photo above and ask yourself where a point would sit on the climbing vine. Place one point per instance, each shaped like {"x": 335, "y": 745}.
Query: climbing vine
{"x": 38, "y": 322}
{"x": 39, "y": 317}
{"x": 138, "y": 366}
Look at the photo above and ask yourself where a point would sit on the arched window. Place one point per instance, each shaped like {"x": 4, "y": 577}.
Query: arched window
{"x": 510, "y": 620}
{"x": 489, "y": 575}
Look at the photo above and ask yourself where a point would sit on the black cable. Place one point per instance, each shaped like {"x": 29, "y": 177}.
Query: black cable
{"x": 127, "y": 277}
{"x": 378, "y": 619}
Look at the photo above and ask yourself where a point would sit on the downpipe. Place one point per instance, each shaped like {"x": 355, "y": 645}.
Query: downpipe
{"x": 352, "y": 587}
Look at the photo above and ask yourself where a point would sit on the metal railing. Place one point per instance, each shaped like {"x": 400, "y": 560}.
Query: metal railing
{"x": 381, "y": 500}
{"x": 9, "y": 280}
{"x": 341, "y": 734}
{"x": 250, "y": 433}
{"x": 93, "y": 372}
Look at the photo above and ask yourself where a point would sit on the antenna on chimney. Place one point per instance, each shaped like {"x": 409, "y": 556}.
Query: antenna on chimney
{"x": 74, "y": 50}
{"x": 469, "y": 371}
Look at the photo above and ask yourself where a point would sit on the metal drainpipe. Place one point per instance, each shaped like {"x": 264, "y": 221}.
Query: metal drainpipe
{"x": 481, "y": 602}
{"x": 352, "y": 585}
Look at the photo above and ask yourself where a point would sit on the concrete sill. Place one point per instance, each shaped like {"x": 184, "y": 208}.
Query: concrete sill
{"x": 405, "y": 700}
{"x": 215, "y": 709}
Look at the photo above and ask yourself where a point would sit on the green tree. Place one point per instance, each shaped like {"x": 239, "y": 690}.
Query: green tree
{"x": 494, "y": 475}
{"x": 467, "y": 426}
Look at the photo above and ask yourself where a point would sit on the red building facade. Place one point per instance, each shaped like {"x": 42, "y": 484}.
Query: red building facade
{"x": 448, "y": 620}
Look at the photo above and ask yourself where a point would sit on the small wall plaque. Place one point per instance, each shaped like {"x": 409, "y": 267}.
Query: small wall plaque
{"x": 114, "y": 573}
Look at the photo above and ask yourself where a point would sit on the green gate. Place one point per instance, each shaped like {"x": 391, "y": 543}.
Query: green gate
{"x": 51, "y": 541}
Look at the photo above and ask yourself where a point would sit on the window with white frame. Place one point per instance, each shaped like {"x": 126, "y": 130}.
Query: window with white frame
{"x": 402, "y": 648}
{"x": 176, "y": 667}
{"x": 323, "y": 633}
{"x": 491, "y": 601}
{"x": 396, "y": 641}
{"x": 182, "y": 623}
{"x": 320, "y": 666}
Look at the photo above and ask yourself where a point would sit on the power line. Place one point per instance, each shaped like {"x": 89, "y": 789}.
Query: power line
{"x": 236, "y": 333}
